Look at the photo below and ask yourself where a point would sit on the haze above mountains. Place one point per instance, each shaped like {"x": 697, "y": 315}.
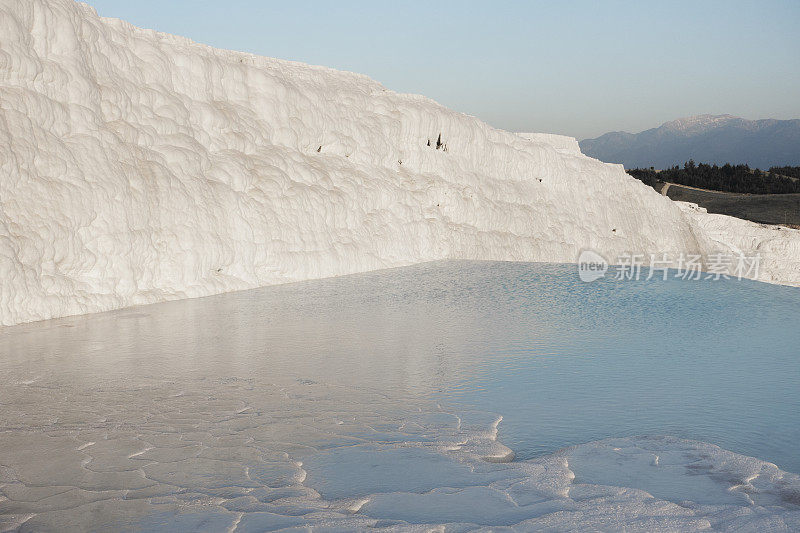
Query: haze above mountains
{"x": 705, "y": 138}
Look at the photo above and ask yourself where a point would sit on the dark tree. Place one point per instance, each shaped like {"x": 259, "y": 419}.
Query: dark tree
{"x": 727, "y": 178}
{"x": 792, "y": 172}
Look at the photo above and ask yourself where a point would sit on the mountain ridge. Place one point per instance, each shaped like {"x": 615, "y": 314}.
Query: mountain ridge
{"x": 713, "y": 139}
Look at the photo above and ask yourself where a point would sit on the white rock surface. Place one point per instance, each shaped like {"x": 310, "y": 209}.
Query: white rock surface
{"x": 137, "y": 167}
{"x": 778, "y": 247}
{"x": 559, "y": 142}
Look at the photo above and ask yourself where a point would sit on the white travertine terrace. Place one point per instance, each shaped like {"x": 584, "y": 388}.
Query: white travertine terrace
{"x": 137, "y": 167}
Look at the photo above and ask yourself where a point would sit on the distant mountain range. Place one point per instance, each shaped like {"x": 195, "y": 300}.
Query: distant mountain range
{"x": 704, "y": 138}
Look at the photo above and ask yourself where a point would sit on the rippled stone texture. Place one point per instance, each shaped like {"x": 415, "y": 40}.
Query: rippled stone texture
{"x": 138, "y": 167}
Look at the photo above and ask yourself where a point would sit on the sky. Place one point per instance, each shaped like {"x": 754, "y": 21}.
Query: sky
{"x": 578, "y": 68}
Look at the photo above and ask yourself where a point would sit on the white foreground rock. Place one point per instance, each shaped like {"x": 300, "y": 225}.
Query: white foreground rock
{"x": 778, "y": 247}
{"x": 138, "y": 167}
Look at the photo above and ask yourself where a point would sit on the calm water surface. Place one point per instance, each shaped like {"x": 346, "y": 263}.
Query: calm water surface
{"x": 564, "y": 362}
{"x": 222, "y": 397}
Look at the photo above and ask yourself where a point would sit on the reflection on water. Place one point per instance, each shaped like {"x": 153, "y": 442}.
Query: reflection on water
{"x": 246, "y": 401}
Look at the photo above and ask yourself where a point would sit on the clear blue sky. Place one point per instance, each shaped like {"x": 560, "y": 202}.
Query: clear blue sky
{"x": 579, "y": 68}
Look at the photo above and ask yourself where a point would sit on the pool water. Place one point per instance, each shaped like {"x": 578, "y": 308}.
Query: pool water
{"x": 567, "y": 362}
{"x": 344, "y": 401}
